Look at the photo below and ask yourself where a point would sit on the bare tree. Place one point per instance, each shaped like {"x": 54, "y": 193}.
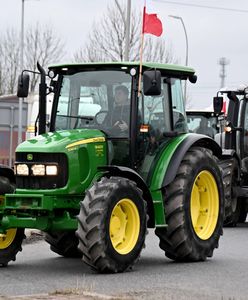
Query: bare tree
{"x": 40, "y": 44}
{"x": 9, "y": 62}
{"x": 2, "y": 81}
{"x": 106, "y": 41}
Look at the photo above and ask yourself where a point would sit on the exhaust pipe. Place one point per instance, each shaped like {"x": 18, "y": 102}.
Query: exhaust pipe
{"x": 42, "y": 100}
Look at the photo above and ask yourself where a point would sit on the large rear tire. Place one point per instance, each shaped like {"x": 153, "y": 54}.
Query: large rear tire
{"x": 112, "y": 225}
{"x": 243, "y": 212}
{"x": 64, "y": 243}
{"x": 232, "y": 202}
{"x": 194, "y": 208}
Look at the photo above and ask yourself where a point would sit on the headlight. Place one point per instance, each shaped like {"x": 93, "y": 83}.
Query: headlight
{"x": 228, "y": 129}
{"x": 38, "y": 170}
{"x": 51, "y": 170}
{"x": 22, "y": 170}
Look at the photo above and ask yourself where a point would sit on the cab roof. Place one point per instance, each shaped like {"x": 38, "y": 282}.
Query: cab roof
{"x": 169, "y": 69}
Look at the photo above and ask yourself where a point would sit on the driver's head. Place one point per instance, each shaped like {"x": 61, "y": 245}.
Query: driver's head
{"x": 121, "y": 95}
{"x": 204, "y": 122}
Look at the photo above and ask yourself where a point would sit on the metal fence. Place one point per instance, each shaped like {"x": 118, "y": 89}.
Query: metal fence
{"x": 9, "y": 110}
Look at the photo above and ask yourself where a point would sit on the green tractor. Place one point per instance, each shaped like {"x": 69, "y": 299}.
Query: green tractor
{"x": 94, "y": 185}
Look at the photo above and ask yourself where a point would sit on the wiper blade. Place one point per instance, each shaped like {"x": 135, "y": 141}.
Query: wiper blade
{"x": 89, "y": 118}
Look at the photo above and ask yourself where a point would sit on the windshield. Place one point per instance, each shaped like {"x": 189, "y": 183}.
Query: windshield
{"x": 89, "y": 99}
{"x": 203, "y": 124}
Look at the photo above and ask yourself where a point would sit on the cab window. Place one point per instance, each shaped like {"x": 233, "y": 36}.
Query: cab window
{"x": 179, "y": 119}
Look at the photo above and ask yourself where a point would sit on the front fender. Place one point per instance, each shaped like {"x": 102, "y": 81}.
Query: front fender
{"x": 166, "y": 168}
{"x": 134, "y": 176}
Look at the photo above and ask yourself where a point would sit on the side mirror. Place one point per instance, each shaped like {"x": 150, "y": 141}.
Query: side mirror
{"x": 23, "y": 86}
{"x": 218, "y": 104}
{"x": 193, "y": 78}
{"x": 152, "y": 83}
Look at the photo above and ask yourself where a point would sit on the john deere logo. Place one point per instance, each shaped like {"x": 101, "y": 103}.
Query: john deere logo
{"x": 30, "y": 157}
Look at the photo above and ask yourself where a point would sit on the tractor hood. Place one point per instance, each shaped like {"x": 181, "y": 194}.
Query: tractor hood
{"x": 61, "y": 141}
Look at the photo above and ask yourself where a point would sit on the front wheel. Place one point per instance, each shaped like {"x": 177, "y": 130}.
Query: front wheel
{"x": 194, "y": 208}
{"x": 11, "y": 240}
{"x": 112, "y": 225}
{"x": 10, "y": 245}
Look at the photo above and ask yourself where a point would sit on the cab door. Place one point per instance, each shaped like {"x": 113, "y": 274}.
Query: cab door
{"x": 242, "y": 135}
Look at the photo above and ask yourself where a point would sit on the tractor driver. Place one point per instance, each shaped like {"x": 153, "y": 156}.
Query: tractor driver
{"x": 204, "y": 128}
{"x": 119, "y": 117}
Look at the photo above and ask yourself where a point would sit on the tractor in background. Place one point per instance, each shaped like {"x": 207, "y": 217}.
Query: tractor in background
{"x": 203, "y": 122}
{"x": 234, "y": 142}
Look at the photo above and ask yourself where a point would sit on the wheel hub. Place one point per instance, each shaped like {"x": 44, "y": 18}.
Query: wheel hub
{"x": 204, "y": 205}
{"x": 124, "y": 226}
{"x": 7, "y": 239}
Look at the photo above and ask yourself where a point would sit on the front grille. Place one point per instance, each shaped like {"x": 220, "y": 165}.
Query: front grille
{"x": 43, "y": 182}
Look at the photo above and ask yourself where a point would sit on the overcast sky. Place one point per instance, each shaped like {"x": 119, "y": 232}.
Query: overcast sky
{"x": 212, "y": 33}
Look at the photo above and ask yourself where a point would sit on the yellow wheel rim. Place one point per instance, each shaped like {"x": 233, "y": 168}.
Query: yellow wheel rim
{"x": 204, "y": 205}
{"x": 124, "y": 226}
{"x": 7, "y": 239}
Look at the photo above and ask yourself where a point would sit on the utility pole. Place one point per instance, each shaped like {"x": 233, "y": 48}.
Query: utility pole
{"x": 186, "y": 49}
{"x": 223, "y": 62}
{"x": 127, "y": 38}
{"x": 21, "y": 67}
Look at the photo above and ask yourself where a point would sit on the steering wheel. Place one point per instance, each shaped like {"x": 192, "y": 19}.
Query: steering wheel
{"x": 100, "y": 117}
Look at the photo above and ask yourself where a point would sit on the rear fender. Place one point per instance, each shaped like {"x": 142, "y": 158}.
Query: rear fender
{"x": 134, "y": 176}
{"x": 180, "y": 149}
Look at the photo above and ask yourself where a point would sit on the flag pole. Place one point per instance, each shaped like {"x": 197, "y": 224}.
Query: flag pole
{"x": 141, "y": 49}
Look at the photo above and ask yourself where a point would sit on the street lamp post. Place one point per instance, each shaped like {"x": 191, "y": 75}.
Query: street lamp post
{"x": 187, "y": 48}
{"x": 127, "y": 46}
{"x": 21, "y": 67}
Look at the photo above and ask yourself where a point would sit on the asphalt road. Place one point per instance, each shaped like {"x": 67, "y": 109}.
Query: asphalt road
{"x": 38, "y": 270}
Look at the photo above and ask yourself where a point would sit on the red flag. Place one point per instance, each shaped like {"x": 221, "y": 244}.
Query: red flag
{"x": 152, "y": 24}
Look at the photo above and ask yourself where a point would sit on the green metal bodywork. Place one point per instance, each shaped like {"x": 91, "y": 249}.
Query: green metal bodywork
{"x": 168, "y": 68}
{"x": 85, "y": 150}
{"x": 158, "y": 174}
{"x": 36, "y": 208}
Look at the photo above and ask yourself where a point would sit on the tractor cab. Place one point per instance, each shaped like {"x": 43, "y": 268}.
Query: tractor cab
{"x": 236, "y": 121}
{"x": 203, "y": 122}
{"x": 138, "y": 128}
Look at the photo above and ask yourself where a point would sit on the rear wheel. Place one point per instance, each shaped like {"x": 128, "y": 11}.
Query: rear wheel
{"x": 10, "y": 244}
{"x": 194, "y": 209}
{"x": 64, "y": 243}
{"x": 243, "y": 210}
{"x": 233, "y": 204}
{"x": 112, "y": 225}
